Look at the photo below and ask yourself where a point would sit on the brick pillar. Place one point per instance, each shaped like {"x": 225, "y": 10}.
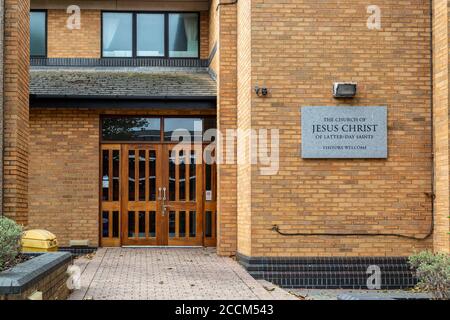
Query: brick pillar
{"x": 244, "y": 106}
{"x": 1, "y": 102}
{"x": 15, "y": 98}
{"x": 441, "y": 69}
{"x": 226, "y": 119}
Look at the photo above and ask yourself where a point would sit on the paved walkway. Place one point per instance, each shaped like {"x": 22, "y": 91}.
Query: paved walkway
{"x": 168, "y": 273}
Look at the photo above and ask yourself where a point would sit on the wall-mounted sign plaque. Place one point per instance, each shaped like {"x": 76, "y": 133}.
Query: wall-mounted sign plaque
{"x": 344, "y": 132}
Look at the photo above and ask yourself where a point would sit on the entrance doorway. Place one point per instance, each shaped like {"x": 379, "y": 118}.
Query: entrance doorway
{"x": 154, "y": 194}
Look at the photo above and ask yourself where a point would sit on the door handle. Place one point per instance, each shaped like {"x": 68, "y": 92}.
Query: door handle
{"x": 159, "y": 195}
{"x": 164, "y": 210}
{"x": 165, "y": 207}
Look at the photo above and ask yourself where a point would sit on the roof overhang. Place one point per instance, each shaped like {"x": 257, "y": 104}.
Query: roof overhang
{"x": 123, "y": 102}
{"x": 124, "y": 88}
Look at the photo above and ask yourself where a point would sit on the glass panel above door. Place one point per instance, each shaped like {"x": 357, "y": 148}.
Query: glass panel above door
{"x": 176, "y": 128}
{"x": 131, "y": 129}
{"x": 148, "y": 129}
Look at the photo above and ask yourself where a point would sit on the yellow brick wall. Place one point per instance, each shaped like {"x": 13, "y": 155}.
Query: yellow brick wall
{"x": 77, "y": 43}
{"x": 15, "y": 99}
{"x": 441, "y": 69}
{"x": 204, "y": 35}
{"x": 86, "y": 41}
{"x": 213, "y": 34}
{"x": 227, "y": 119}
{"x": 299, "y": 48}
{"x": 244, "y": 186}
{"x": 64, "y": 167}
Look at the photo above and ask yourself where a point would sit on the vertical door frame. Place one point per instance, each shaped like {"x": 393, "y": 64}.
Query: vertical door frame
{"x": 109, "y": 205}
{"x": 199, "y": 201}
{"x": 125, "y": 203}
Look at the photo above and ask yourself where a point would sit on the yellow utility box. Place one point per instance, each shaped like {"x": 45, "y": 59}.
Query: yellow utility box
{"x": 39, "y": 241}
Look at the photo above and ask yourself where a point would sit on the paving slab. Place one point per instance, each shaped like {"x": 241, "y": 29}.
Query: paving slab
{"x": 168, "y": 274}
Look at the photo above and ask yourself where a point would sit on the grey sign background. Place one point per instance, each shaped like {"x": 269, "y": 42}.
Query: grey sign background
{"x": 330, "y": 139}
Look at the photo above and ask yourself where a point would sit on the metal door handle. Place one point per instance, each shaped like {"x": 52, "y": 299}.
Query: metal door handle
{"x": 159, "y": 195}
{"x": 164, "y": 201}
{"x": 165, "y": 207}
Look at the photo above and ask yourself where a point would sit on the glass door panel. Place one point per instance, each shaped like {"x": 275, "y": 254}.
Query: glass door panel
{"x": 156, "y": 194}
{"x": 209, "y": 205}
{"x": 181, "y": 204}
{"x": 142, "y": 167}
{"x": 110, "y": 196}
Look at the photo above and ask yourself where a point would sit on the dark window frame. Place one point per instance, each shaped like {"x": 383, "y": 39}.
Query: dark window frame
{"x": 134, "y": 34}
{"x": 45, "y": 36}
{"x": 161, "y": 119}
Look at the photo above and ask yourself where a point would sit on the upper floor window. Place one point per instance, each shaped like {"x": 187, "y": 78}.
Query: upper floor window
{"x": 38, "y": 37}
{"x": 169, "y": 35}
{"x": 117, "y": 30}
{"x": 183, "y": 35}
{"x": 150, "y": 35}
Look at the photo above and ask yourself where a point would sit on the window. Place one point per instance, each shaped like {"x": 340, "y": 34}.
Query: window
{"x": 150, "y": 35}
{"x": 181, "y": 127}
{"x": 183, "y": 35}
{"x": 145, "y": 34}
{"x": 117, "y": 34}
{"x": 38, "y": 37}
{"x": 148, "y": 129}
{"x": 131, "y": 129}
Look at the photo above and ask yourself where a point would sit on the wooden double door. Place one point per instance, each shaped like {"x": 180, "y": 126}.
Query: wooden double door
{"x": 155, "y": 195}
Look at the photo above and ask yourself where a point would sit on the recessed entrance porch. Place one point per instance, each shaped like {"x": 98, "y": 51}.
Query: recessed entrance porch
{"x": 154, "y": 192}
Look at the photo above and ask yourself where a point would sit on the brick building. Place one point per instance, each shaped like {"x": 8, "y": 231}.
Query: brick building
{"x": 87, "y": 139}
